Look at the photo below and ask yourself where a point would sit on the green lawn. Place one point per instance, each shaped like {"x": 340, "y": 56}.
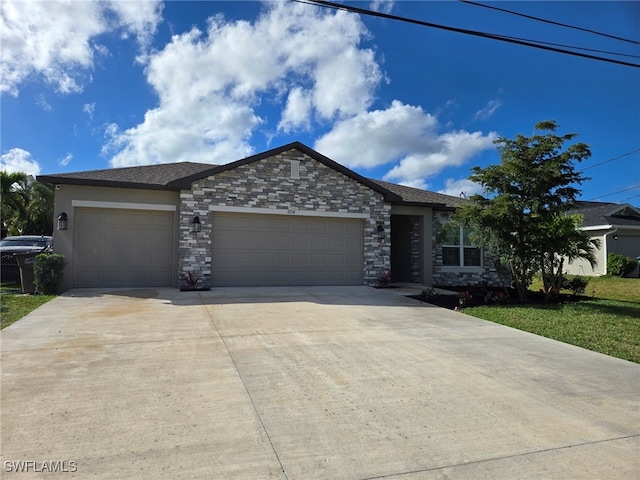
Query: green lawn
{"x": 13, "y": 307}
{"x": 608, "y": 323}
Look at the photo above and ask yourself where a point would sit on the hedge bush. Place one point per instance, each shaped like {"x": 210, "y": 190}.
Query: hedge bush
{"x": 47, "y": 271}
{"x": 619, "y": 265}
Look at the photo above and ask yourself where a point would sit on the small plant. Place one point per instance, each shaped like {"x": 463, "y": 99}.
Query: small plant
{"x": 426, "y": 295}
{"x": 48, "y": 269}
{"x": 385, "y": 279}
{"x": 619, "y": 265}
{"x": 464, "y": 298}
{"x": 577, "y": 285}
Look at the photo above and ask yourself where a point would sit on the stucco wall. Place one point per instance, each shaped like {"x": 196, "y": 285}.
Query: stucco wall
{"x": 627, "y": 244}
{"x": 274, "y": 185}
{"x": 116, "y": 198}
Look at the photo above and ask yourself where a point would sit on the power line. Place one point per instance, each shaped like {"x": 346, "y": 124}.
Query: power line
{"x": 610, "y": 160}
{"x": 629, "y": 198}
{"x": 550, "y": 21}
{"x": 503, "y": 38}
{"x": 615, "y": 193}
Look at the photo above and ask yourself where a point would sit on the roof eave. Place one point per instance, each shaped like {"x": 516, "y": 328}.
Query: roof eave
{"x": 51, "y": 181}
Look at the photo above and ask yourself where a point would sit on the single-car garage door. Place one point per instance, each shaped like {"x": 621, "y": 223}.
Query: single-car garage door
{"x": 122, "y": 248}
{"x": 252, "y": 250}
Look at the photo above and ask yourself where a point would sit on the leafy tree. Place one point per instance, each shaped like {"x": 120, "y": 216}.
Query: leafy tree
{"x": 27, "y": 206}
{"x": 39, "y": 218}
{"x": 527, "y": 194}
{"x": 14, "y": 201}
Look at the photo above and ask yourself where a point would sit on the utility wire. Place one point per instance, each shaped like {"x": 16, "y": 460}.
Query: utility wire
{"x": 610, "y": 160}
{"x": 629, "y": 198}
{"x": 550, "y": 21}
{"x": 615, "y": 193}
{"x": 503, "y": 38}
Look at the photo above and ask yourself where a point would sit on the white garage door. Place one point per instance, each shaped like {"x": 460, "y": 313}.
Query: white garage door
{"x": 252, "y": 250}
{"x": 122, "y": 248}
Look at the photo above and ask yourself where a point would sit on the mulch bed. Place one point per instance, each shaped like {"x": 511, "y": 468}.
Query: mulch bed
{"x": 476, "y": 296}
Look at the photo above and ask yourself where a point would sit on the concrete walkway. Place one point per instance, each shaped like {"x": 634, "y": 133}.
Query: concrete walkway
{"x": 304, "y": 383}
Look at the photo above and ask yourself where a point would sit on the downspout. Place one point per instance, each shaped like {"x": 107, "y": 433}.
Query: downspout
{"x": 605, "y": 249}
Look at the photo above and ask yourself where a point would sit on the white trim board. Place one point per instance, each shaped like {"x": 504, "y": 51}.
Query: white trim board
{"x": 123, "y": 205}
{"x": 289, "y": 211}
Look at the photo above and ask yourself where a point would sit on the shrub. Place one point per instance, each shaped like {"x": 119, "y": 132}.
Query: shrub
{"x": 577, "y": 284}
{"x": 47, "y": 270}
{"x": 619, "y": 265}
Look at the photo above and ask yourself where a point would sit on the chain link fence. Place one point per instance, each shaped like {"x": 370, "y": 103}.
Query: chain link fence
{"x": 9, "y": 271}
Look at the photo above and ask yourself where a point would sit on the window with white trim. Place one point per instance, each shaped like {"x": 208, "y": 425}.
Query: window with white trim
{"x": 458, "y": 250}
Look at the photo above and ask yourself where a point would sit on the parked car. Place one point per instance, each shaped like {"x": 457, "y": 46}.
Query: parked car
{"x": 9, "y": 246}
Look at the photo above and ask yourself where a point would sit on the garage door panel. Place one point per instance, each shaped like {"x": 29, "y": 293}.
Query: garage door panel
{"x": 286, "y": 250}
{"x": 122, "y": 248}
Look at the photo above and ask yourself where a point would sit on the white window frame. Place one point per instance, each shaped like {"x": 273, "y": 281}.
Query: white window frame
{"x": 461, "y": 266}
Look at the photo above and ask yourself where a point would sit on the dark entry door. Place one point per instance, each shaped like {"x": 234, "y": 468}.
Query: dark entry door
{"x": 401, "y": 248}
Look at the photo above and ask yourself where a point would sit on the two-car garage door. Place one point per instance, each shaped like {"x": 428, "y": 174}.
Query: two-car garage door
{"x": 123, "y": 248}
{"x": 252, "y": 250}
{"x": 137, "y": 248}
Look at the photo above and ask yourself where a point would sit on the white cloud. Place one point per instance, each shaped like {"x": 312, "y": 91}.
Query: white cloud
{"x": 19, "y": 160}
{"x": 65, "y": 161}
{"x": 54, "y": 39}
{"x": 404, "y": 135}
{"x": 462, "y": 186}
{"x": 89, "y": 109}
{"x": 379, "y": 137}
{"x": 211, "y": 83}
{"x": 296, "y": 114}
{"x": 488, "y": 110}
{"x": 42, "y": 103}
{"x": 383, "y": 6}
{"x": 446, "y": 150}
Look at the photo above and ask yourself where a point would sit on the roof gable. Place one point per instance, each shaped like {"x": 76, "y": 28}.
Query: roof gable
{"x": 185, "y": 182}
{"x": 606, "y": 214}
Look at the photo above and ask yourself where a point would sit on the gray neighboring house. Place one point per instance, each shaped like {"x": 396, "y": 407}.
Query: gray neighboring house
{"x": 616, "y": 225}
{"x": 288, "y": 216}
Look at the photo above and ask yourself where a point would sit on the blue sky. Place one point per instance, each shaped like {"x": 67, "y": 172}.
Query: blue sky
{"x": 90, "y": 85}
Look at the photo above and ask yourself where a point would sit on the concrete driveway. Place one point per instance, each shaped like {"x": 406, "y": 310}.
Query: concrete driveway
{"x": 304, "y": 383}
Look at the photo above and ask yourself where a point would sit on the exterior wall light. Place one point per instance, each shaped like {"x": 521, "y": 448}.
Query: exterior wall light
{"x": 195, "y": 224}
{"x": 381, "y": 232}
{"x": 63, "y": 221}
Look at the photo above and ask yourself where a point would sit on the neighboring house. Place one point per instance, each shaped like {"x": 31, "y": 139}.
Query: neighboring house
{"x": 616, "y": 225}
{"x": 288, "y": 216}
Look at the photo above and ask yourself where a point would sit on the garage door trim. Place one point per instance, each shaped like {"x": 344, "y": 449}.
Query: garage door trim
{"x": 293, "y": 211}
{"x": 124, "y": 205}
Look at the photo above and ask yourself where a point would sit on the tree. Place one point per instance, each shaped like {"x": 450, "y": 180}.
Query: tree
{"x": 39, "y": 218}
{"x": 27, "y": 206}
{"x": 14, "y": 200}
{"x": 563, "y": 240}
{"x": 527, "y": 195}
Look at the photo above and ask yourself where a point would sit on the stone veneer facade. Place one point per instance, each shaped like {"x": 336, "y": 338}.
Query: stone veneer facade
{"x": 462, "y": 277}
{"x": 290, "y": 183}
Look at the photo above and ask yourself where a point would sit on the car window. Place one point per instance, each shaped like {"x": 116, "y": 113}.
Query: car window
{"x": 24, "y": 242}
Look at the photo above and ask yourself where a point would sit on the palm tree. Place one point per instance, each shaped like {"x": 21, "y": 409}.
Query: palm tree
{"x": 39, "y": 218}
{"x": 14, "y": 201}
{"x": 565, "y": 241}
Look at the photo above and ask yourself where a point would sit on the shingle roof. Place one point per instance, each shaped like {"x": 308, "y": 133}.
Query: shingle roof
{"x": 176, "y": 176}
{"x": 147, "y": 177}
{"x": 418, "y": 196}
{"x": 605, "y": 213}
